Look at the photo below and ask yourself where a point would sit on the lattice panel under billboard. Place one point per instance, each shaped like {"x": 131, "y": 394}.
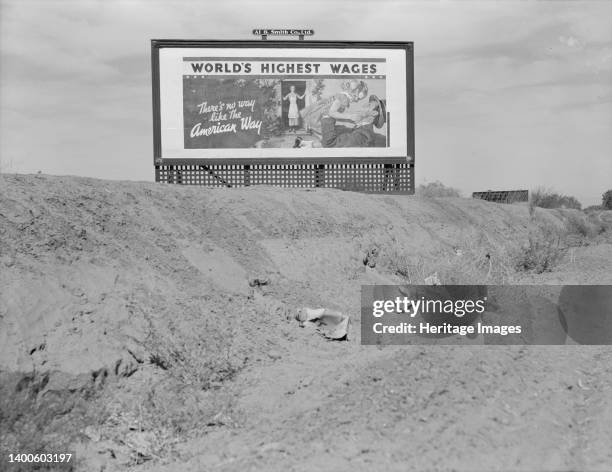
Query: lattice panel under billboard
{"x": 371, "y": 178}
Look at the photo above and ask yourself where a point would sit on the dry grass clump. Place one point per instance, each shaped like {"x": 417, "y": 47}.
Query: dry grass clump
{"x": 197, "y": 341}
{"x": 469, "y": 262}
{"x": 181, "y": 391}
{"x": 548, "y": 243}
{"x": 181, "y": 388}
{"x": 578, "y": 224}
{"x": 479, "y": 260}
{"x": 586, "y": 226}
{"x": 202, "y": 355}
{"x": 148, "y": 423}
{"x": 543, "y": 251}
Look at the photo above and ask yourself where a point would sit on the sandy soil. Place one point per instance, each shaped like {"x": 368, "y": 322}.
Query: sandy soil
{"x": 92, "y": 271}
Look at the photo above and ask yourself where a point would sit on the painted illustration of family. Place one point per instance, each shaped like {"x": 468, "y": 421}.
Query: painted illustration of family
{"x": 341, "y": 123}
{"x": 348, "y": 118}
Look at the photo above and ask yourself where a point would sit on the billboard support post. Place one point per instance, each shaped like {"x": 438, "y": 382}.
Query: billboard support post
{"x": 290, "y": 113}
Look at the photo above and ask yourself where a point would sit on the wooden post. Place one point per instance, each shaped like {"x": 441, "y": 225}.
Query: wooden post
{"x": 320, "y": 176}
{"x": 247, "y": 175}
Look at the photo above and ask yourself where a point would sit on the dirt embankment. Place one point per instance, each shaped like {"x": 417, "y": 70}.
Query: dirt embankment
{"x": 151, "y": 323}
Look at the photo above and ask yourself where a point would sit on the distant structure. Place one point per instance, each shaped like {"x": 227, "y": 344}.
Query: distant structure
{"x": 503, "y": 196}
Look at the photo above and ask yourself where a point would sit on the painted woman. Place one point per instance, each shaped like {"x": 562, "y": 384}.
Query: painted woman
{"x": 294, "y": 113}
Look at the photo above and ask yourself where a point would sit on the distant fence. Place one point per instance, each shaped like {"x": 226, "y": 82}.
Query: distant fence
{"x": 503, "y": 196}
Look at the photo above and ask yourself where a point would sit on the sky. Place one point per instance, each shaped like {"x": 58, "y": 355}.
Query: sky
{"x": 508, "y": 95}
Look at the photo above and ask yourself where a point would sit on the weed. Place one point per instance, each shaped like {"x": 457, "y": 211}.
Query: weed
{"x": 200, "y": 354}
{"x": 532, "y": 209}
{"x": 544, "y": 250}
{"x": 578, "y": 224}
{"x": 471, "y": 261}
{"x": 167, "y": 412}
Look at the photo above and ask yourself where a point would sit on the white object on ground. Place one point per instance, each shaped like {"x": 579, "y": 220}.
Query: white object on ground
{"x": 329, "y": 323}
{"x": 433, "y": 279}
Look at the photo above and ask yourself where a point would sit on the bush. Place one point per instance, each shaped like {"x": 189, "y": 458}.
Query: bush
{"x": 546, "y": 198}
{"x": 168, "y": 412}
{"x": 543, "y": 251}
{"x": 201, "y": 354}
{"x": 437, "y": 189}
{"x": 183, "y": 389}
{"x": 472, "y": 261}
{"x": 577, "y": 224}
{"x": 606, "y": 200}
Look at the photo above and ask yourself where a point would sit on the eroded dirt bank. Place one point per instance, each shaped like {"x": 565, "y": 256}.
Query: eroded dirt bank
{"x": 150, "y": 327}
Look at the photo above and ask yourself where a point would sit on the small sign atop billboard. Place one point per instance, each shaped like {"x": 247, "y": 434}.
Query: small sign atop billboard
{"x": 283, "y": 32}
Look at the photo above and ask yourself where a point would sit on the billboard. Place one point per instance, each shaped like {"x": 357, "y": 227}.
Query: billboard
{"x": 282, "y": 101}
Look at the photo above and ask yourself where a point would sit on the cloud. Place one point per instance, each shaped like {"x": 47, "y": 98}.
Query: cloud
{"x": 506, "y": 92}
{"x": 570, "y": 41}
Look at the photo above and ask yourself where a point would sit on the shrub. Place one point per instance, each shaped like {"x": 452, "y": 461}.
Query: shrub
{"x": 532, "y": 209}
{"x": 168, "y": 412}
{"x": 575, "y": 224}
{"x": 585, "y": 226}
{"x": 546, "y": 198}
{"x": 471, "y": 261}
{"x": 543, "y": 251}
{"x": 183, "y": 389}
{"x": 606, "y": 200}
{"x": 578, "y": 224}
{"x": 200, "y": 354}
{"x": 437, "y": 189}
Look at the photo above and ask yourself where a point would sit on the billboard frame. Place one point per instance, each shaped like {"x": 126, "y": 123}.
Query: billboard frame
{"x": 164, "y": 163}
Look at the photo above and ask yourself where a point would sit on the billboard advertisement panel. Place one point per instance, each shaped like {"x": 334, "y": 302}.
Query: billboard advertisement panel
{"x": 271, "y": 101}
